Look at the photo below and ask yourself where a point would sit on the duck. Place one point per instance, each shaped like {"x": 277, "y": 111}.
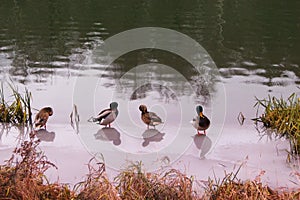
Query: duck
{"x": 107, "y": 116}
{"x": 42, "y": 116}
{"x": 149, "y": 118}
{"x": 201, "y": 122}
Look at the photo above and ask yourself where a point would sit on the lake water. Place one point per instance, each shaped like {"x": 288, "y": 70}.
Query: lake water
{"x": 248, "y": 49}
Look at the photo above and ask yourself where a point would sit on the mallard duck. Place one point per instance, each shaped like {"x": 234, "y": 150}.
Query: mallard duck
{"x": 42, "y": 116}
{"x": 201, "y": 122}
{"x": 107, "y": 116}
{"x": 149, "y": 118}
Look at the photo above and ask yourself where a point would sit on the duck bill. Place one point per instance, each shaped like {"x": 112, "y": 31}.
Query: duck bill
{"x": 201, "y": 114}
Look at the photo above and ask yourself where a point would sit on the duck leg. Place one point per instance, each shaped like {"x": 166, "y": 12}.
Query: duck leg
{"x": 201, "y": 133}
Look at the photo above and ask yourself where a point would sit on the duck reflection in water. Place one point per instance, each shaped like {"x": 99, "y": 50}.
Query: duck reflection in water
{"x": 203, "y": 143}
{"x": 152, "y": 135}
{"x": 108, "y": 134}
{"x": 45, "y": 135}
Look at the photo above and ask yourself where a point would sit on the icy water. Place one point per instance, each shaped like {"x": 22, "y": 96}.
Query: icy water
{"x": 250, "y": 49}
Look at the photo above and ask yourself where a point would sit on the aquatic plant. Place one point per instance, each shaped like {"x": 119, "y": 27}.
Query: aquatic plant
{"x": 16, "y": 111}
{"x": 282, "y": 117}
{"x": 74, "y": 119}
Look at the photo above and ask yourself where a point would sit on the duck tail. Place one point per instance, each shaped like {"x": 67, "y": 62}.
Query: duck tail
{"x": 37, "y": 126}
{"x": 97, "y": 119}
{"x": 94, "y": 119}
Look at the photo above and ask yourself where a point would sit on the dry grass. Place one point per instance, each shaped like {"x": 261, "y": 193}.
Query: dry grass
{"x": 22, "y": 176}
{"x": 96, "y": 185}
{"x": 230, "y": 187}
{"x": 135, "y": 184}
{"x": 283, "y": 118}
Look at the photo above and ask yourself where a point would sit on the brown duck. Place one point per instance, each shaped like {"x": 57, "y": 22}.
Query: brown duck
{"x": 149, "y": 118}
{"x": 42, "y": 116}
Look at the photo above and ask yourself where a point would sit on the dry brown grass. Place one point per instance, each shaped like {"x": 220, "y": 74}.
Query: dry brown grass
{"x": 22, "y": 176}
{"x": 135, "y": 184}
{"x": 96, "y": 185}
{"x": 230, "y": 187}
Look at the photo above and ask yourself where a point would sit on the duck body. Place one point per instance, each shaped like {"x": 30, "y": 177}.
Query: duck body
{"x": 42, "y": 116}
{"x": 107, "y": 116}
{"x": 149, "y": 118}
{"x": 200, "y": 122}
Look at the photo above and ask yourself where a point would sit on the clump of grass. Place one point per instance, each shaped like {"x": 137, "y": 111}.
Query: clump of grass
{"x": 22, "y": 176}
{"x": 96, "y": 185}
{"x": 283, "y": 118}
{"x": 135, "y": 184}
{"x": 17, "y": 110}
{"x": 230, "y": 187}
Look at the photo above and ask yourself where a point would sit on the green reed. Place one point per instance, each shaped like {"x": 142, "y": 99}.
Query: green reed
{"x": 282, "y": 117}
{"x": 15, "y": 109}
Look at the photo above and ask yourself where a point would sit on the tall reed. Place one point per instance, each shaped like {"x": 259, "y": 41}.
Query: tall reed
{"x": 17, "y": 109}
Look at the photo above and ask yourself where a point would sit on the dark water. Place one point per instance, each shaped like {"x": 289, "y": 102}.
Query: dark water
{"x": 44, "y": 38}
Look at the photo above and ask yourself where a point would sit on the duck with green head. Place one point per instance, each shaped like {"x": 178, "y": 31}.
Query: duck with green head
{"x": 201, "y": 122}
{"x": 107, "y": 116}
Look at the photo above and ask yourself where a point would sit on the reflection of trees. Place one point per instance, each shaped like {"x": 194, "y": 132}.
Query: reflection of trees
{"x": 43, "y": 37}
{"x": 165, "y": 93}
{"x": 170, "y": 75}
{"x": 55, "y": 34}
{"x": 201, "y": 90}
{"x": 258, "y": 38}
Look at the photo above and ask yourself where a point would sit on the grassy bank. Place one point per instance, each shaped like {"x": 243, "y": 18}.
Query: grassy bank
{"x": 23, "y": 177}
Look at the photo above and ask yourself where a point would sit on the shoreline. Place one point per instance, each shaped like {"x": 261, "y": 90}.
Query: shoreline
{"x": 255, "y": 157}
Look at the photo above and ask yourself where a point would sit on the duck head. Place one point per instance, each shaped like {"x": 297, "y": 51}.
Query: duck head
{"x": 49, "y": 110}
{"x": 113, "y": 105}
{"x": 199, "y": 110}
{"x": 143, "y": 108}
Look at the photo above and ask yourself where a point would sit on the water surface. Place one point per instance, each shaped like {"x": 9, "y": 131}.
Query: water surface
{"x": 51, "y": 46}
